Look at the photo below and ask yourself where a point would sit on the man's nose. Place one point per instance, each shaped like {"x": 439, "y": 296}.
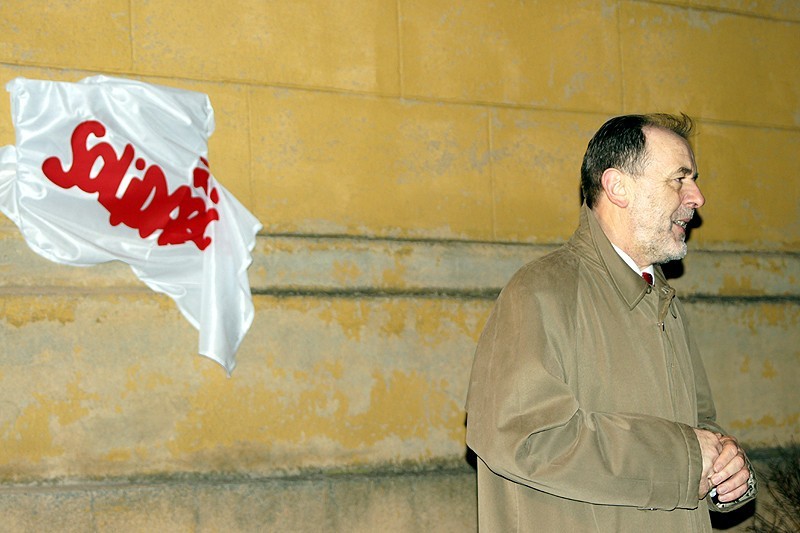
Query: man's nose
{"x": 692, "y": 195}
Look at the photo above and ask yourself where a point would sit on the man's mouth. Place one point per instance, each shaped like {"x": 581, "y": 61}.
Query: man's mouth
{"x": 681, "y": 223}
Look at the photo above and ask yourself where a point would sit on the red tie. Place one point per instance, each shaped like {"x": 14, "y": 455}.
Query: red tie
{"x": 647, "y": 277}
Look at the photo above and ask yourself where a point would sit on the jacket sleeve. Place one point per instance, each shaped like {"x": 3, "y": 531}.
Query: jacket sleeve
{"x": 527, "y": 426}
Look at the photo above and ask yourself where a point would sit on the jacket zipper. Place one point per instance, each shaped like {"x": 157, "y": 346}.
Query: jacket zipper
{"x": 665, "y": 300}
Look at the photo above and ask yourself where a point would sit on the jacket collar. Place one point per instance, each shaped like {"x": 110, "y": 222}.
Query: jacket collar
{"x": 591, "y": 242}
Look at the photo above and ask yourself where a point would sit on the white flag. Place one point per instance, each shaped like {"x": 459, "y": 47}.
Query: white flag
{"x": 112, "y": 169}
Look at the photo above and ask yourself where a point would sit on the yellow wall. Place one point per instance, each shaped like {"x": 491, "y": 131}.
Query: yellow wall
{"x": 404, "y": 157}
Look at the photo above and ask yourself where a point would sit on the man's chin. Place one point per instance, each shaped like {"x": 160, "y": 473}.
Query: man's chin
{"x": 677, "y": 256}
{"x": 677, "y": 253}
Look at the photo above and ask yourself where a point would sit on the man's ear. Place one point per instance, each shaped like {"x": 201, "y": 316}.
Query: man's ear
{"x": 613, "y": 182}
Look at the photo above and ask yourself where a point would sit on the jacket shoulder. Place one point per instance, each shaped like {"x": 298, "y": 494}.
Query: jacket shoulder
{"x": 555, "y": 274}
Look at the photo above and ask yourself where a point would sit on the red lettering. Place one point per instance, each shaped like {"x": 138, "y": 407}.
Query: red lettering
{"x": 190, "y": 222}
{"x": 200, "y": 180}
{"x": 146, "y": 204}
{"x": 84, "y": 159}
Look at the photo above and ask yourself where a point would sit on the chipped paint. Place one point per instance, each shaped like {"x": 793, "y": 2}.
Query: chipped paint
{"x": 394, "y": 324}
{"x": 745, "y": 367}
{"x": 345, "y": 271}
{"x": 118, "y": 456}
{"x": 401, "y": 406}
{"x": 350, "y": 315}
{"x": 396, "y": 276}
{"x": 432, "y": 315}
{"x": 769, "y": 314}
{"x": 20, "y": 311}
{"x": 140, "y": 380}
{"x": 766, "y": 422}
{"x": 29, "y": 438}
{"x": 768, "y": 371}
{"x": 733, "y": 284}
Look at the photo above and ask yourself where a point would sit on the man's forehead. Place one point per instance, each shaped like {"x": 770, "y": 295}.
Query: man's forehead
{"x": 662, "y": 142}
{"x": 661, "y": 133}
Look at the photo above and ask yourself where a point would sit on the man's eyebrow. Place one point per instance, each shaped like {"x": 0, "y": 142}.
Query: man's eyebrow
{"x": 688, "y": 172}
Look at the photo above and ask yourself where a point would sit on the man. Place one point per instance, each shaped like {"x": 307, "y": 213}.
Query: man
{"x": 588, "y": 406}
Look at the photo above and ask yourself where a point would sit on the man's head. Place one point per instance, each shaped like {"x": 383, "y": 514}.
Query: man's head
{"x": 638, "y": 176}
{"x": 620, "y": 143}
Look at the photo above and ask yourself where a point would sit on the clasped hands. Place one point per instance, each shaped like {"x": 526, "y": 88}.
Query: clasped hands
{"x": 724, "y": 466}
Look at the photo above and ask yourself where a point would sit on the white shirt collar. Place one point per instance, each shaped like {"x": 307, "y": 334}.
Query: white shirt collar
{"x": 631, "y": 263}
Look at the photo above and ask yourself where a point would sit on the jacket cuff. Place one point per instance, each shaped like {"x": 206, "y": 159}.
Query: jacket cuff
{"x": 663, "y": 494}
{"x": 691, "y": 498}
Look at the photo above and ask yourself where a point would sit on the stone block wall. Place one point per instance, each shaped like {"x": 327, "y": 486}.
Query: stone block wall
{"x": 405, "y": 158}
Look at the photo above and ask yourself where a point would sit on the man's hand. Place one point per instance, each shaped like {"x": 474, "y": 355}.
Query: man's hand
{"x": 730, "y": 471}
{"x": 710, "y": 449}
{"x": 724, "y": 466}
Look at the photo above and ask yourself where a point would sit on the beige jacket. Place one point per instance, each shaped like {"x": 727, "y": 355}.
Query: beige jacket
{"x": 584, "y": 390}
